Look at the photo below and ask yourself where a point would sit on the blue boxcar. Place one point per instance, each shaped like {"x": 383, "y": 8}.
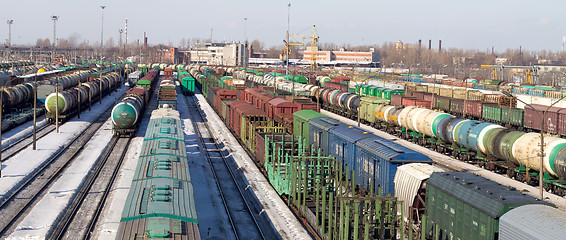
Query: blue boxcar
{"x": 342, "y": 144}
{"x": 377, "y": 162}
{"x": 318, "y": 132}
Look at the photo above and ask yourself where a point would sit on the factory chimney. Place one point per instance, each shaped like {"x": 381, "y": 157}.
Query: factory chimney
{"x": 420, "y": 43}
{"x": 429, "y": 44}
{"x": 144, "y": 41}
{"x": 439, "y": 45}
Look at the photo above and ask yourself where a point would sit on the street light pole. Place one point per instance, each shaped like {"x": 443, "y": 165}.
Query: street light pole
{"x": 101, "y": 54}
{"x": 54, "y": 18}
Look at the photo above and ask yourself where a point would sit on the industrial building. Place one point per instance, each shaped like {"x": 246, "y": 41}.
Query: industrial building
{"x": 342, "y": 56}
{"x": 228, "y": 54}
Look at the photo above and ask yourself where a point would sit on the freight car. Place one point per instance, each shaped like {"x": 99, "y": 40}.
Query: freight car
{"x": 467, "y": 206}
{"x": 160, "y": 203}
{"x": 149, "y": 80}
{"x": 47, "y": 87}
{"x": 457, "y": 205}
{"x": 127, "y": 113}
{"x": 187, "y": 81}
{"x": 70, "y": 101}
{"x": 16, "y": 96}
{"x": 134, "y": 77}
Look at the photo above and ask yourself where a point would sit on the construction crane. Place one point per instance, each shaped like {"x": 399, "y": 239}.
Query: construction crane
{"x": 287, "y": 49}
{"x": 314, "y": 48}
{"x": 314, "y": 43}
{"x": 530, "y": 71}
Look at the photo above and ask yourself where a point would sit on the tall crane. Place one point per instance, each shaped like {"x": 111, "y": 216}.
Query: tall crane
{"x": 531, "y": 72}
{"x": 314, "y": 46}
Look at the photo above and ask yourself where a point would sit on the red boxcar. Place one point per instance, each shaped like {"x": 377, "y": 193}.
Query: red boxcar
{"x": 281, "y": 106}
{"x": 232, "y": 111}
{"x": 397, "y": 100}
{"x": 474, "y": 108}
{"x": 533, "y": 113}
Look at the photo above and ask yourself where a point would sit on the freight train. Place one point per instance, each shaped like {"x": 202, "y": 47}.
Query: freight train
{"x": 375, "y": 161}
{"x": 127, "y": 113}
{"x": 160, "y": 203}
{"x": 502, "y": 152}
{"x": 71, "y": 101}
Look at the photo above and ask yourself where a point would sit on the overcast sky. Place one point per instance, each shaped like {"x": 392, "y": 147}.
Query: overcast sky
{"x": 476, "y": 24}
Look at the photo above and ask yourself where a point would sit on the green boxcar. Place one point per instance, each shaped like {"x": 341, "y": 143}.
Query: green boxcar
{"x": 515, "y": 118}
{"x": 443, "y": 103}
{"x": 491, "y": 112}
{"x": 144, "y": 83}
{"x": 365, "y": 90}
{"x": 301, "y": 122}
{"x": 372, "y": 91}
{"x": 188, "y": 85}
{"x": 367, "y": 107}
{"x": 390, "y": 92}
{"x": 467, "y": 206}
{"x": 381, "y": 92}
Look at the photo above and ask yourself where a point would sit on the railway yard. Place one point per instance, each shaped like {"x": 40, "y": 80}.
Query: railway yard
{"x": 171, "y": 151}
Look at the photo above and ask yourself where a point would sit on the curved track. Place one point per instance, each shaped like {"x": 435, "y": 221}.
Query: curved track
{"x": 246, "y": 222}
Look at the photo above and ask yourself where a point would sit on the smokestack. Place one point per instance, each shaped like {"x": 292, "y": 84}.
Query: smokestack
{"x": 429, "y": 44}
{"x": 439, "y": 45}
{"x": 492, "y": 50}
{"x": 144, "y": 41}
{"x": 420, "y": 42}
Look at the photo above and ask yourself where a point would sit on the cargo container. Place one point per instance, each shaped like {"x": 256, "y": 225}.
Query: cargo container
{"x": 457, "y": 107}
{"x": 377, "y": 160}
{"x": 533, "y": 113}
{"x": 442, "y": 103}
{"x": 467, "y": 206}
{"x": 474, "y": 109}
{"x": 318, "y": 133}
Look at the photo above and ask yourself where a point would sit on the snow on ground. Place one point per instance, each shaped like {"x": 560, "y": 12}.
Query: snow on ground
{"x": 282, "y": 218}
{"x": 19, "y": 167}
{"x": 21, "y": 131}
{"x": 44, "y": 215}
{"x": 212, "y": 218}
{"x": 449, "y": 161}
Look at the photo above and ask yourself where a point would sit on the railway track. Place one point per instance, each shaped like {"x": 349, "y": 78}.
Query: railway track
{"x": 19, "y": 201}
{"x": 80, "y": 219}
{"x": 25, "y": 141}
{"x": 245, "y": 219}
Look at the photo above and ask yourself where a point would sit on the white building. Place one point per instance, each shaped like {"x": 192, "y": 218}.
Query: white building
{"x": 228, "y": 54}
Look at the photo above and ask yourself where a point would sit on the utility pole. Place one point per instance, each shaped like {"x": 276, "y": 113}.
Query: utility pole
{"x": 287, "y": 52}
{"x": 54, "y": 18}
{"x": 102, "y": 34}
{"x": 101, "y": 54}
